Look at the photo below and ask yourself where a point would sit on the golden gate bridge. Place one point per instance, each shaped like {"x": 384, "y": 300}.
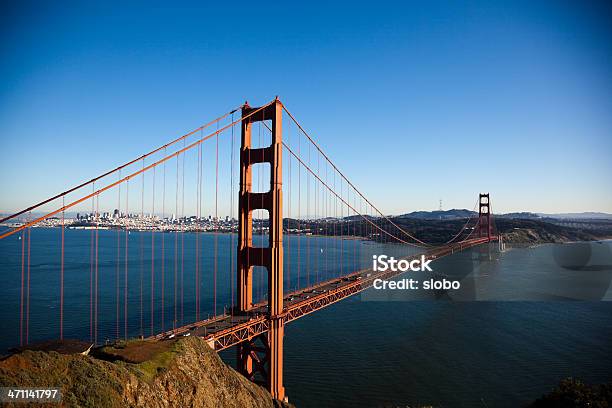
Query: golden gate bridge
{"x": 281, "y": 182}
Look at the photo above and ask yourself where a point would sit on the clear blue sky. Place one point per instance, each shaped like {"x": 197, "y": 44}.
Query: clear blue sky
{"x": 513, "y": 98}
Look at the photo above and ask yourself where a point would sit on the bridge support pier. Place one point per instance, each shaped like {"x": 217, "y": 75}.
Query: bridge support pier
{"x": 262, "y": 356}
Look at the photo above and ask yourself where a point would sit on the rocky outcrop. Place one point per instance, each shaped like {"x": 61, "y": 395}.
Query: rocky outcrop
{"x": 183, "y": 373}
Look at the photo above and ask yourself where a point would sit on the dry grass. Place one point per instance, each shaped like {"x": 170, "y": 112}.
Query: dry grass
{"x": 134, "y": 351}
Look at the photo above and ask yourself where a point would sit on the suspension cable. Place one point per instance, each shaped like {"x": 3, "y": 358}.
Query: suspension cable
{"x": 464, "y": 226}
{"x": 124, "y": 179}
{"x": 347, "y": 180}
{"x": 341, "y": 199}
{"x": 108, "y": 173}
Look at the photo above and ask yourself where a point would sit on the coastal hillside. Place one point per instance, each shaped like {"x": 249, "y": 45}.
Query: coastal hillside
{"x": 181, "y": 373}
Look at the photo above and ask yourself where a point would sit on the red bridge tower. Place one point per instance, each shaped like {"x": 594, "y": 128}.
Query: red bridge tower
{"x": 484, "y": 216}
{"x": 263, "y": 354}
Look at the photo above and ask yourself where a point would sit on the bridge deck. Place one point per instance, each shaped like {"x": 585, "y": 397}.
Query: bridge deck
{"x": 225, "y": 331}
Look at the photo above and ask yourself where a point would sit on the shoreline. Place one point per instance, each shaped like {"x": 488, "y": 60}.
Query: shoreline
{"x": 510, "y": 244}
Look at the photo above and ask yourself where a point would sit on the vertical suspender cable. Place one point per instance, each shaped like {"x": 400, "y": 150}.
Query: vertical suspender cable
{"x": 125, "y": 280}
{"x": 197, "y": 233}
{"x": 62, "y": 275}
{"x": 355, "y": 234}
{"x": 309, "y": 221}
{"x": 341, "y": 229}
{"x": 262, "y": 291}
{"x": 163, "y": 246}
{"x": 141, "y": 234}
{"x": 117, "y": 267}
{"x": 327, "y": 201}
{"x": 335, "y": 259}
{"x": 96, "y": 280}
{"x": 231, "y": 251}
{"x": 176, "y": 216}
{"x": 318, "y": 217}
{"x": 153, "y": 256}
{"x": 201, "y": 170}
{"x": 91, "y": 265}
{"x": 288, "y": 190}
{"x": 23, "y": 239}
{"x": 27, "y": 336}
{"x": 201, "y": 216}
{"x": 216, "y": 220}
{"x": 183, "y": 239}
{"x": 299, "y": 203}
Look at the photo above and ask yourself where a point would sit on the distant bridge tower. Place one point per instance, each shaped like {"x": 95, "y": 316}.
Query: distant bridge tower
{"x": 265, "y": 358}
{"x": 484, "y": 216}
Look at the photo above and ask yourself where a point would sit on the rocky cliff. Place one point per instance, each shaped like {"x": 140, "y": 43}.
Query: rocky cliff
{"x": 181, "y": 373}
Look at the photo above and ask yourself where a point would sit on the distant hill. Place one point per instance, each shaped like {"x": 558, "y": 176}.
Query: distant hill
{"x": 573, "y": 216}
{"x": 439, "y": 215}
{"x": 580, "y": 216}
{"x": 462, "y": 213}
{"x": 520, "y": 215}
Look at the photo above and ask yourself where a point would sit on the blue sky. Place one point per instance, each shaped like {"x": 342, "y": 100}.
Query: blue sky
{"x": 440, "y": 100}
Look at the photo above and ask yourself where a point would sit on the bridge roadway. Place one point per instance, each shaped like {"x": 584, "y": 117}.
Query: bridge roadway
{"x": 224, "y": 331}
